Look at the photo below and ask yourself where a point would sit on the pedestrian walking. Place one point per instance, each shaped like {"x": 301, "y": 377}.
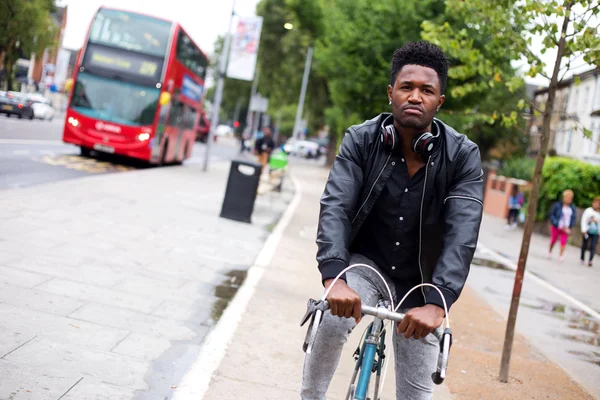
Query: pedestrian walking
{"x": 264, "y": 146}
{"x": 589, "y": 230}
{"x": 515, "y": 202}
{"x": 562, "y": 218}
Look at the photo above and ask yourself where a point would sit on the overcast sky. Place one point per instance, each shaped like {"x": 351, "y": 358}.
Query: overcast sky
{"x": 204, "y": 20}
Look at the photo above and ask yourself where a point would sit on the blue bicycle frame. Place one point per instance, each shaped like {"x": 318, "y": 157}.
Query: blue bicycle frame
{"x": 375, "y": 337}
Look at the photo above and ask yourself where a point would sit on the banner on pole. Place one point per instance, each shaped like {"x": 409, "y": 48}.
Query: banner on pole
{"x": 244, "y": 49}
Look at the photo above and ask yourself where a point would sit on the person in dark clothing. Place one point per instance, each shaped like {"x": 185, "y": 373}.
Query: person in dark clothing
{"x": 589, "y": 230}
{"x": 404, "y": 195}
{"x": 264, "y": 146}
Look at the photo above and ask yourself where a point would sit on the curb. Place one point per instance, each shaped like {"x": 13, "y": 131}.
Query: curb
{"x": 196, "y": 381}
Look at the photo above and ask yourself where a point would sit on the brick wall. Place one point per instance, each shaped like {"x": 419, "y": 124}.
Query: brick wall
{"x": 497, "y": 193}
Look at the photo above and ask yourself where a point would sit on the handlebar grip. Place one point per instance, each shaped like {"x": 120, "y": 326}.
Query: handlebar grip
{"x": 446, "y": 341}
{"x": 437, "y": 378}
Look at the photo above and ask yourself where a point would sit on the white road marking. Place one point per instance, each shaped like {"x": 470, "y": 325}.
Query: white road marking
{"x": 32, "y": 142}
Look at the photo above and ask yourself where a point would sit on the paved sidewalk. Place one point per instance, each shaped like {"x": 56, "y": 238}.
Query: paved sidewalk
{"x": 264, "y": 359}
{"x": 109, "y": 284}
{"x": 581, "y": 282}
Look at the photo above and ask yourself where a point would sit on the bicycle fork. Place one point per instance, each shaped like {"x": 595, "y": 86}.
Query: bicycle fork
{"x": 365, "y": 360}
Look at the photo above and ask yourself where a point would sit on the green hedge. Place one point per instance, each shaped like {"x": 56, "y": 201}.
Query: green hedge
{"x": 518, "y": 168}
{"x": 564, "y": 173}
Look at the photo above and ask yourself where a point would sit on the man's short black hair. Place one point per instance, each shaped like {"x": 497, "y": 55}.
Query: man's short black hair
{"x": 424, "y": 54}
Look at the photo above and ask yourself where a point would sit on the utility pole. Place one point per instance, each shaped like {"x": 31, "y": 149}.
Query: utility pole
{"x": 251, "y": 114}
{"x": 302, "y": 92}
{"x": 219, "y": 92}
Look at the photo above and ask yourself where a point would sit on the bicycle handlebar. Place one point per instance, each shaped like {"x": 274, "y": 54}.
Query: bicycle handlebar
{"x": 317, "y": 308}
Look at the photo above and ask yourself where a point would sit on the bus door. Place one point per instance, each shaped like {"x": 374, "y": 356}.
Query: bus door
{"x": 175, "y": 125}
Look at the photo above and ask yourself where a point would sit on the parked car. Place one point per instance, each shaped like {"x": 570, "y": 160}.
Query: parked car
{"x": 302, "y": 148}
{"x": 13, "y": 103}
{"x": 42, "y": 107}
{"x": 323, "y": 145}
{"x": 224, "y": 130}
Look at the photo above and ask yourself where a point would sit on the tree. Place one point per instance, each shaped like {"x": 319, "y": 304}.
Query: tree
{"x": 25, "y": 27}
{"x": 485, "y": 89}
{"x": 282, "y": 54}
{"x": 356, "y": 51}
{"x": 564, "y": 26}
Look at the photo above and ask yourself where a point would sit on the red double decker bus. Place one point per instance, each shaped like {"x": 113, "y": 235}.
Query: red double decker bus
{"x": 138, "y": 89}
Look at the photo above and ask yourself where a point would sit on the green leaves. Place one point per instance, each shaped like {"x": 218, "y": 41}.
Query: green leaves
{"x": 564, "y": 173}
{"x": 25, "y": 27}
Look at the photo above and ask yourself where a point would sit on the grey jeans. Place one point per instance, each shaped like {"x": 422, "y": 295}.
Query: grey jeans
{"x": 415, "y": 359}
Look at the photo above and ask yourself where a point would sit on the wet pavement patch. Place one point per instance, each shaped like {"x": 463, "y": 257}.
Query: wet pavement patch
{"x": 225, "y": 291}
{"x": 486, "y": 262}
{"x": 582, "y": 328}
{"x": 591, "y": 357}
{"x": 168, "y": 369}
{"x": 587, "y": 331}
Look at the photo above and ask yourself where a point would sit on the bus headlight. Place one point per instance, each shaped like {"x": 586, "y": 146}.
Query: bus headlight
{"x": 73, "y": 121}
{"x": 143, "y": 137}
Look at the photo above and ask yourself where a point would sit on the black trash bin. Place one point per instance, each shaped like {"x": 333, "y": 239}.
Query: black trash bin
{"x": 240, "y": 194}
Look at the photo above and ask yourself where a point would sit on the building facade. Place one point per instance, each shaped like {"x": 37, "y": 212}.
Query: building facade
{"x": 577, "y": 106}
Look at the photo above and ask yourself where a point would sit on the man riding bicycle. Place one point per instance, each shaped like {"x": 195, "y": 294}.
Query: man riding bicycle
{"x": 404, "y": 195}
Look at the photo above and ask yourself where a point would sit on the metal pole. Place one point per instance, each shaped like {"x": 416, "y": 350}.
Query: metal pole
{"x": 251, "y": 114}
{"x": 236, "y": 112}
{"x": 219, "y": 92}
{"x": 277, "y": 125}
{"x": 255, "y": 124}
{"x": 302, "y": 92}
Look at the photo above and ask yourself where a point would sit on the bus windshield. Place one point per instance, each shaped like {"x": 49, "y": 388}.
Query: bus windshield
{"x": 115, "y": 101}
{"x": 131, "y": 31}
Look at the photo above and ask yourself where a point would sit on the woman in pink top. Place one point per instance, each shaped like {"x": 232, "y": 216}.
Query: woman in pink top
{"x": 562, "y": 218}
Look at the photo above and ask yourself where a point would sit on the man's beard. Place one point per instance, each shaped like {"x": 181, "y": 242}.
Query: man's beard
{"x": 414, "y": 122}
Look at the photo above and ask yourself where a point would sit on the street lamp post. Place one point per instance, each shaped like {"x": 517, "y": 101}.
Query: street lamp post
{"x": 219, "y": 92}
{"x": 300, "y": 109}
{"x": 302, "y": 92}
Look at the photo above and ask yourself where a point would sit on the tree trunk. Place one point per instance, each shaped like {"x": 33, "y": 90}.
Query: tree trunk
{"x": 8, "y": 64}
{"x": 533, "y": 202}
{"x": 332, "y": 149}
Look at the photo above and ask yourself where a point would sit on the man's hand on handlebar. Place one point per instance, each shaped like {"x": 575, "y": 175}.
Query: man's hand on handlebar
{"x": 421, "y": 321}
{"x": 344, "y": 302}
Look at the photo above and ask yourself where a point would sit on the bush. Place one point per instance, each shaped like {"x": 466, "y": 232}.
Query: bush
{"x": 518, "y": 168}
{"x": 560, "y": 174}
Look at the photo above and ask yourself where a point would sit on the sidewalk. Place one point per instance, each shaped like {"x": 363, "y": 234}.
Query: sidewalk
{"x": 578, "y": 281}
{"x": 264, "y": 358}
{"x": 109, "y": 283}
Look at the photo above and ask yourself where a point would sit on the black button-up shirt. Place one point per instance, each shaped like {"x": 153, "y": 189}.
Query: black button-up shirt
{"x": 390, "y": 234}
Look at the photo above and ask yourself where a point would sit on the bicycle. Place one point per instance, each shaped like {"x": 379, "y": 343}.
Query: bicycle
{"x": 373, "y": 344}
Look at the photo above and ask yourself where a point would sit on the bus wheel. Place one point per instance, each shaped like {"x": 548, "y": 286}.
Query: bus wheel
{"x": 84, "y": 151}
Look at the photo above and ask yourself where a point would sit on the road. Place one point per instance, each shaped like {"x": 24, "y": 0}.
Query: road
{"x": 32, "y": 152}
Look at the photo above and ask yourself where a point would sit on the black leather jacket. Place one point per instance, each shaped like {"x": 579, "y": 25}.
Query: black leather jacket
{"x": 451, "y": 207}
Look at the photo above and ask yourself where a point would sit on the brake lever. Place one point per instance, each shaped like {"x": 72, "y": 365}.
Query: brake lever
{"x": 314, "y": 312}
{"x": 440, "y": 374}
